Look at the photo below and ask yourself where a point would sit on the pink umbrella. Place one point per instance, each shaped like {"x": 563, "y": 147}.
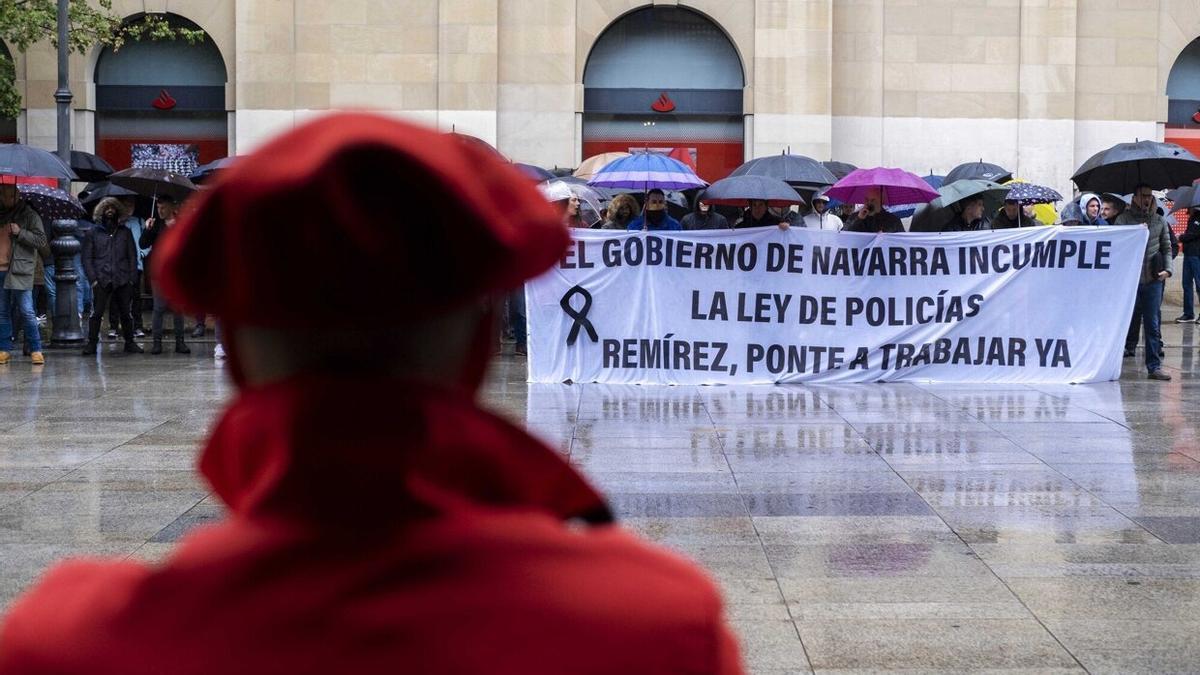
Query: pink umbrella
{"x": 898, "y": 187}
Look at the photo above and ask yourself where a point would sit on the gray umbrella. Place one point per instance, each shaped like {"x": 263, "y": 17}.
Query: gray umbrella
{"x": 24, "y": 160}
{"x": 980, "y": 170}
{"x": 1124, "y": 166}
{"x": 941, "y": 210}
{"x": 740, "y": 190}
{"x": 795, "y": 170}
{"x": 839, "y": 169}
{"x": 1184, "y": 198}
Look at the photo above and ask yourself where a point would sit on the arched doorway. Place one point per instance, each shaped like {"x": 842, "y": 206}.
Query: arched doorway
{"x": 666, "y": 78}
{"x": 162, "y": 103}
{"x": 1183, "y": 108}
{"x": 8, "y": 125}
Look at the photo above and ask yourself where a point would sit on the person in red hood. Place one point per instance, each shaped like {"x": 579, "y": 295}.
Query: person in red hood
{"x": 379, "y": 521}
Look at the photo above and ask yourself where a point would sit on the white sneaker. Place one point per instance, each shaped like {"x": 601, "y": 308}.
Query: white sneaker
{"x": 219, "y": 352}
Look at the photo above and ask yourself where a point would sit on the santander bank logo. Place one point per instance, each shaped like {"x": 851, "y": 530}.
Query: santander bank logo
{"x": 164, "y": 101}
{"x": 1196, "y": 117}
{"x": 663, "y": 104}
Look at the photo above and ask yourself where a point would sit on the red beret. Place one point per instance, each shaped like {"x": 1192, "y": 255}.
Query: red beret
{"x": 356, "y": 217}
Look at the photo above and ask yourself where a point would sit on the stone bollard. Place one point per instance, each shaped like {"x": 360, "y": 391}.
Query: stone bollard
{"x": 65, "y": 246}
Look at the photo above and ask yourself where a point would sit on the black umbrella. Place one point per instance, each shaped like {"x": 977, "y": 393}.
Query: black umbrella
{"x": 89, "y": 167}
{"x": 207, "y": 171}
{"x": 980, "y": 170}
{"x": 23, "y": 160}
{"x": 740, "y": 190}
{"x": 839, "y": 169}
{"x": 94, "y": 192}
{"x": 535, "y": 173}
{"x": 795, "y": 170}
{"x": 51, "y": 203}
{"x": 1124, "y": 166}
{"x": 154, "y": 183}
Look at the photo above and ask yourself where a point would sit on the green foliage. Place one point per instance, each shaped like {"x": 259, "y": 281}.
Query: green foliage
{"x": 27, "y": 22}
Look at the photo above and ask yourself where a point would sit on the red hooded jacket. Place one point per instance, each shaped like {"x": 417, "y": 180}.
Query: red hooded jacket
{"x": 379, "y": 527}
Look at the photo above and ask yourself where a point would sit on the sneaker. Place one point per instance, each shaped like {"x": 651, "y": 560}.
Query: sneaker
{"x": 41, "y": 320}
{"x": 134, "y": 348}
{"x": 89, "y": 349}
{"x": 139, "y": 333}
{"x": 219, "y": 353}
{"x": 38, "y": 359}
{"x": 181, "y": 347}
{"x": 3, "y": 358}
{"x": 1159, "y": 375}
{"x": 1185, "y": 319}
{"x": 1130, "y": 352}
{"x": 198, "y": 331}
{"x": 111, "y": 334}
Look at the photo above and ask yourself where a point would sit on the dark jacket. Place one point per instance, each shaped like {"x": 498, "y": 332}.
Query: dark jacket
{"x": 109, "y": 253}
{"x": 1001, "y": 221}
{"x": 1159, "y": 240}
{"x": 1191, "y": 236}
{"x": 748, "y": 221}
{"x": 705, "y": 221}
{"x": 640, "y": 223}
{"x": 882, "y": 222}
{"x": 958, "y": 224}
{"x": 27, "y": 246}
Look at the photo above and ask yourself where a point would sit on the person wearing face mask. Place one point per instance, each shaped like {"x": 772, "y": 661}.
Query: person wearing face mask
{"x": 821, "y": 218}
{"x": 873, "y": 218}
{"x": 621, "y": 211}
{"x": 968, "y": 217}
{"x": 704, "y": 218}
{"x": 1157, "y": 266}
{"x": 655, "y": 216}
{"x": 379, "y": 518}
{"x": 759, "y": 215}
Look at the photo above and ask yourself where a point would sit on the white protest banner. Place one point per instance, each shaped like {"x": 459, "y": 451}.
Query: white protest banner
{"x": 1039, "y": 304}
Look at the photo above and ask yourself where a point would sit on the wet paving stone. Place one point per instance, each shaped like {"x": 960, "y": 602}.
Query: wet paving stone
{"x": 921, "y": 527}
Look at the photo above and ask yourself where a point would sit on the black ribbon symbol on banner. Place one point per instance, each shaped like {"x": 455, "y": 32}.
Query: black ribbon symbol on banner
{"x": 580, "y": 315}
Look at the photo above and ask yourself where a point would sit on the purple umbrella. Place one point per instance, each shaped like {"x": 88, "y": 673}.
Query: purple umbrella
{"x": 897, "y": 187}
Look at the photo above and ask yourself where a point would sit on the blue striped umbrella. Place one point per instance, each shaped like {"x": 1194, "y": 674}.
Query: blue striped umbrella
{"x": 645, "y": 171}
{"x": 1028, "y": 194}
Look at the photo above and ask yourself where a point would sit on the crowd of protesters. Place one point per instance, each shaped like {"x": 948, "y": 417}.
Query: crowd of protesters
{"x": 116, "y": 246}
{"x": 968, "y": 215}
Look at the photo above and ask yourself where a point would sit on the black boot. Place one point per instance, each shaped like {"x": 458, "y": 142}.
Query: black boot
{"x": 181, "y": 347}
{"x": 132, "y": 347}
{"x": 156, "y": 348}
{"x": 90, "y": 348}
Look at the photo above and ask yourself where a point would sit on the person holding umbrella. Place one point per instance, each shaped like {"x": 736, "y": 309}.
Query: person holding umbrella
{"x": 758, "y": 215}
{"x": 110, "y": 258}
{"x": 655, "y": 216}
{"x": 165, "y": 218}
{"x": 22, "y": 239}
{"x": 704, "y": 218}
{"x": 1156, "y": 267}
{"x": 968, "y": 216}
{"x": 872, "y": 217}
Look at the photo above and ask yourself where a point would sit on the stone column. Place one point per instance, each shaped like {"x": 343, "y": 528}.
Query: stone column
{"x": 66, "y": 246}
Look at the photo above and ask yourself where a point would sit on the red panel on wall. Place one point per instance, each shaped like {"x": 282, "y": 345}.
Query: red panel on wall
{"x": 714, "y": 161}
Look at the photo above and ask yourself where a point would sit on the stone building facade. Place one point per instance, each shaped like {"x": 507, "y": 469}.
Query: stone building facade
{"x": 1035, "y": 85}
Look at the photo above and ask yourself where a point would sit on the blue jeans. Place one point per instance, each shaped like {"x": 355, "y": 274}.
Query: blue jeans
{"x": 83, "y": 287}
{"x": 51, "y": 289}
{"x": 1191, "y": 282}
{"x": 1149, "y": 303}
{"x": 20, "y": 303}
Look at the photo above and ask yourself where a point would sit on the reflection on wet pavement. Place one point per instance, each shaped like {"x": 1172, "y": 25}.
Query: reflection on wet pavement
{"x": 862, "y": 527}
